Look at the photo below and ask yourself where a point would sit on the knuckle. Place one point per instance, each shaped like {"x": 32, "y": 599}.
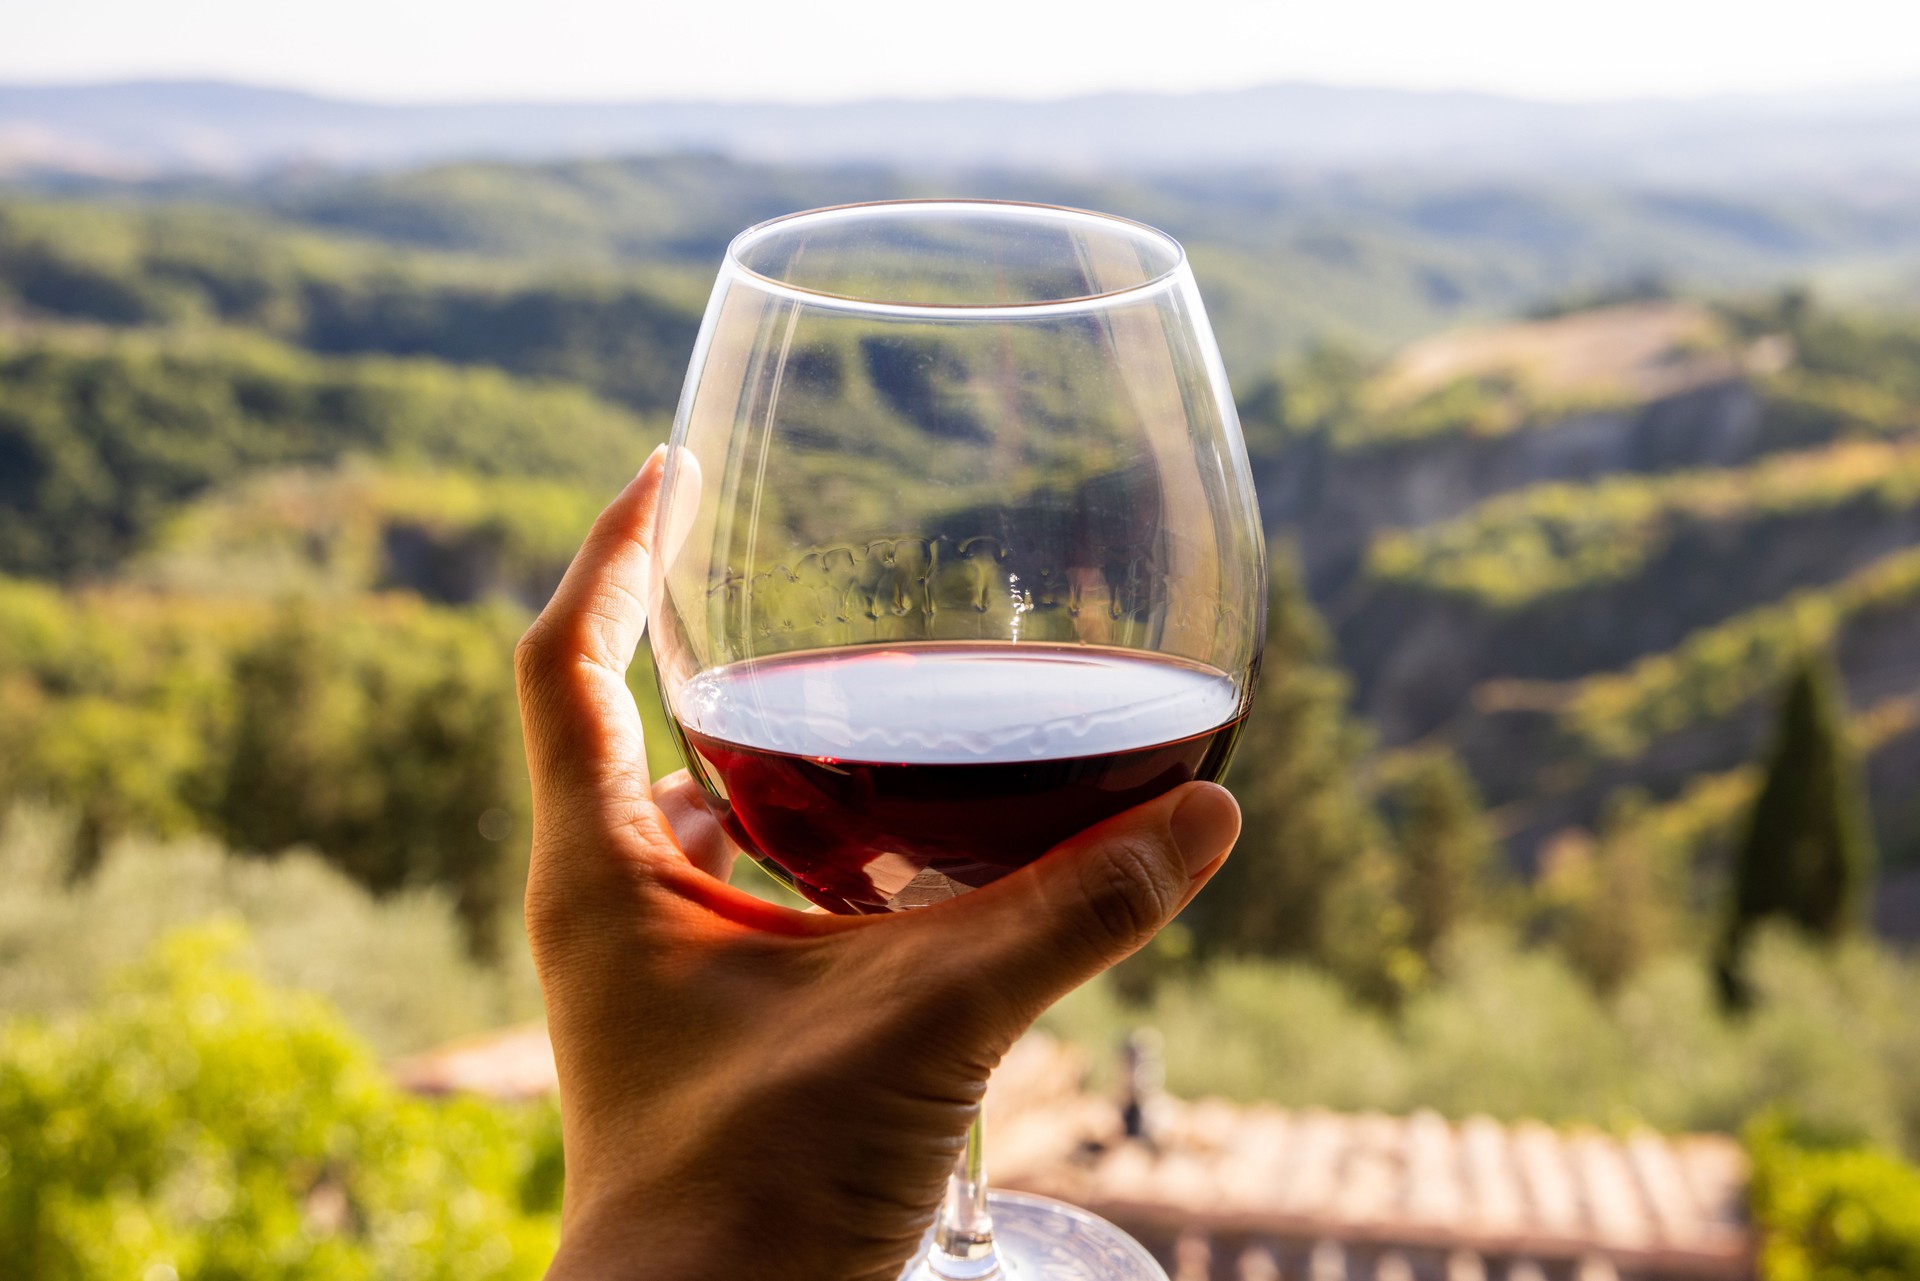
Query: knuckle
{"x": 1129, "y": 894}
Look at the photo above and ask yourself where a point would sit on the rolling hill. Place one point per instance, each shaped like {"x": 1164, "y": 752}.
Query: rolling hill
{"x": 1579, "y": 549}
{"x": 470, "y": 260}
{"x": 1606, "y": 597}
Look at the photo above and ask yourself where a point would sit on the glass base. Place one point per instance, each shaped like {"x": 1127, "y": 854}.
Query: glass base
{"x": 1036, "y": 1238}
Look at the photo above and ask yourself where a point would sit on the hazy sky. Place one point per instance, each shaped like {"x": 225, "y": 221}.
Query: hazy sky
{"x": 827, "y": 49}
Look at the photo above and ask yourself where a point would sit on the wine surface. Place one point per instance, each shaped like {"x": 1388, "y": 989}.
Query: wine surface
{"x": 891, "y": 776}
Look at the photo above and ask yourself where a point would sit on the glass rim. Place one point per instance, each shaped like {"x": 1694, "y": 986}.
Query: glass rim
{"x": 760, "y": 231}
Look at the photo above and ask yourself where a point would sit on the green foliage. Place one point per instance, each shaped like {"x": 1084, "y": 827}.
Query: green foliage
{"x": 380, "y": 735}
{"x": 388, "y": 757}
{"x": 383, "y": 735}
{"x": 1877, "y": 351}
{"x": 1304, "y": 400}
{"x": 1446, "y": 850}
{"x": 1807, "y": 855}
{"x": 1319, "y": 875}
{"x": 397, "y": 966}
{"x": 1550, "y": 540}
{"x": 1284, "y": 1032}
{"x": 1490, "y": 405}
{"x": 1332, "y": 394}
{"x": 1707, "y": 812}
{"x": 99, "y": 442}
{"x": 201, "y": 1123}
{"x": 1518, "y": 1033}
{"x": 1613, "y": 904}
{"x": 1719, "y": 669}
{"x": 1804, "y": 407}
{"x": 623, "y": 334}
{"x": 1478, "y": 405}
{"x": 1277, "y": 275}
{"x": 450, "y": 537}
{"x": 83, "y": 676}
{"x": 1311, "y": 876}
{"x": 1828, "y": 1213}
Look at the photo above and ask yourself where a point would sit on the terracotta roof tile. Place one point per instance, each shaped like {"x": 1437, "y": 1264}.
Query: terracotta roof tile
{"x": 1436, "y": 1191}
{"x": 1615, "y": 1212}
{"x": 1319, "y": 1141}
{"x": 1663, "y": 1186}
{"x": 1496, "y": 1200}
{"x": 1550, "y": 1190}
{"x": 1647, "y": 1205}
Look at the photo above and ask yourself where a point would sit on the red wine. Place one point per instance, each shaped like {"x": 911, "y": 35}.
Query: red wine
{"x": 889, "y": 776}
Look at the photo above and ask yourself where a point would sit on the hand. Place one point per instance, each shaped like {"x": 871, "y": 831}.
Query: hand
{"x": 748, "y": 1091}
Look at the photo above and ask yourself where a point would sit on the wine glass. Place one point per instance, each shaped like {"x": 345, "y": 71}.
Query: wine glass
{"x": 958, "y": 555}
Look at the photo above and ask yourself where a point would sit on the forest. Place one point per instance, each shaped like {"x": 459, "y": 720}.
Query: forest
{"x": 1577, "y": 785}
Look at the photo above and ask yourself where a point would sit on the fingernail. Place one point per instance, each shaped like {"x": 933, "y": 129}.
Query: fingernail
{"x": 1204, "y": 826}
{"x": 657, "y": 451}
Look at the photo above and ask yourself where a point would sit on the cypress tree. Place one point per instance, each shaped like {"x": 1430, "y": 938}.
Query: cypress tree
{"x": 1807, "y": 855}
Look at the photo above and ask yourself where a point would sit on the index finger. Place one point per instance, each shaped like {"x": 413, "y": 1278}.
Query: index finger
{"x": 583, "y": 735}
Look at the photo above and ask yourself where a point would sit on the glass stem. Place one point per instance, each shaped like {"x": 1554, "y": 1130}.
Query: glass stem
{"x": 963, "y": 1236}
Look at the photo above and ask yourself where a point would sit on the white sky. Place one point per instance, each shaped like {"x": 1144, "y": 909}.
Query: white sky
{"x": 835, "y": 49}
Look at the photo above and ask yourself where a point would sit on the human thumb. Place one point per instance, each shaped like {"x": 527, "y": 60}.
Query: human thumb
{"x": 1032, "y": 937}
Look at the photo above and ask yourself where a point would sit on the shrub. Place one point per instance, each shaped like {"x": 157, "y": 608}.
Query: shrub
{"x": 201, "y": 1124}
{"x": 1833, "y": 1214}
{"x": 1614, "y": 901}
{"x": 396, "y": 966}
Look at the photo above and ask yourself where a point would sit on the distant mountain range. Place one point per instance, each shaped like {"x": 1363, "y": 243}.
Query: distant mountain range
{"x": 1865, "y": 142}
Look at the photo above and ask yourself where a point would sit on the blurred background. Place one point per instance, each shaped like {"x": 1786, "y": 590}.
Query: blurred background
{"x": 1578, "y": 351}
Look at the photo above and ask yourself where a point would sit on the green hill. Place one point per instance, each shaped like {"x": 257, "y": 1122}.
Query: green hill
{"x": 624, "y": 332}
{"x": 1285, "y": 262}
{"x": 1518, "y": 550}
{"x": 1717, "y": 670}
{"x": 1579, "y": 542}
{"x": 1687, "y": 726}
{"x": 1627, "y": 632}
{"x": 102, "y": 435}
